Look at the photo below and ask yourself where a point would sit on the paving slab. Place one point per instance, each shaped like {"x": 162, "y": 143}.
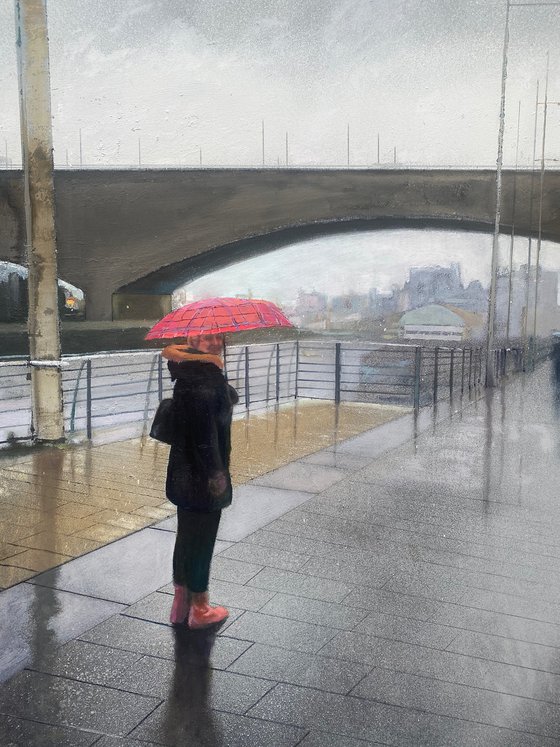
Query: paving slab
{"x": 172, "y": 724}
{"x": 123, "y": 571}
{"x": 21, "y": 732}
{"x": 295, "y": 636}
{"x": 35, "y": 620}
{"x": 60, "y": 701}
{"x": 309, "y": 670}
{"x": 224, "y": 691}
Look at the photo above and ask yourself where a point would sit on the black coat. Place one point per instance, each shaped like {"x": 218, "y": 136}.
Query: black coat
{"x": 198, "y": 476}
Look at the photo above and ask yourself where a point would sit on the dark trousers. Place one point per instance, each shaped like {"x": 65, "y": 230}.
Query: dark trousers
{"x": 194, "y": 545}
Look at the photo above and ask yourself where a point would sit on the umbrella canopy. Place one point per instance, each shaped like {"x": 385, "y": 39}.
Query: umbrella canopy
{"x": 217, "y": 316}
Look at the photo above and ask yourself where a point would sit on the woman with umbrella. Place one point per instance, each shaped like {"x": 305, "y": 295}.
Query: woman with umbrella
{"x": 198, "y": 479}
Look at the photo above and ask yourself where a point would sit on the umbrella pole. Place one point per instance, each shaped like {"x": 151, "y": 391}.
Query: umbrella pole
{"x": 225, "y": 360}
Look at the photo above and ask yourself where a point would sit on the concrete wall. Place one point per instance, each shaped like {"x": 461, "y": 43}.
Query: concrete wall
{"x": 148, "y": 231}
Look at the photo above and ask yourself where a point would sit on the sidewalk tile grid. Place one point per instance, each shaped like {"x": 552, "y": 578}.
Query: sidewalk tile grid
{"x": 397, "y": 603}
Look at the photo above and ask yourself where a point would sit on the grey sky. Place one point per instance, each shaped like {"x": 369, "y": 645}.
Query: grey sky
{"x": 181, "y": 75}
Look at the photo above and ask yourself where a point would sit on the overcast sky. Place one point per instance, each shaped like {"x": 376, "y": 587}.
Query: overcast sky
{"x": 190, "y": 74}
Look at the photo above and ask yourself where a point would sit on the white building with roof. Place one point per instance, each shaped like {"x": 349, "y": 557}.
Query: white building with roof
{"x": 432, "y": 322}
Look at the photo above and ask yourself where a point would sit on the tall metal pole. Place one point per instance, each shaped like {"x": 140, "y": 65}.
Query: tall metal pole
{"x": 539, "y": 237}
{"x": 510, "y": 284}
{"x": 395, "y": 154}
{"x": 530, "y": 243}
{"x": 38, "y": 167}
{"x": 490, "y": 373}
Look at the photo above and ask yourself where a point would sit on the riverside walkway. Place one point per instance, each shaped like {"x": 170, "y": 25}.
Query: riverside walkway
{"x": 401, "y": 587}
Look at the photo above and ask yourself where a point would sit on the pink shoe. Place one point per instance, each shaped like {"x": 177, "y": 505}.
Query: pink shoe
{"x": 202, "y": 614}
{"x": 180, "y": 606}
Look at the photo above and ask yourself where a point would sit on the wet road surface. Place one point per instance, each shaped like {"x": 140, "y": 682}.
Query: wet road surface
{"x": 397, "y": 590}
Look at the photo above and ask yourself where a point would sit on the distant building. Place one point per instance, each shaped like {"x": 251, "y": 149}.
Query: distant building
{"x": 433, "y": 285}
{"x": 310, "y": 309}
{"x": 431, "y": 322}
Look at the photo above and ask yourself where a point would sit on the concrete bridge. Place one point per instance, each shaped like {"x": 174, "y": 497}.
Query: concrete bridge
{"x": 128, "y": 238}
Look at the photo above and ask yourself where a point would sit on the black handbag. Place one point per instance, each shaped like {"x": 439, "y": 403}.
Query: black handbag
{"x": 163, "y": 424}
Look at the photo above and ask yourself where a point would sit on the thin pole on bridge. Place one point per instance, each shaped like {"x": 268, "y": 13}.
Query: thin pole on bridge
{"x": 530, "y": 243}
{"x": 512, "y": 238}
{"x": 490, "y": 371}
{"x": 541, "y": 192}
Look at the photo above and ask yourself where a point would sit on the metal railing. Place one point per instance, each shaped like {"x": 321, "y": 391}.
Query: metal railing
{"x": 121, "y": 391}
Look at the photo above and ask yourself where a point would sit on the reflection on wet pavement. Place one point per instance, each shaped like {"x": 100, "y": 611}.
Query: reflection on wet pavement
{"x": 58, "y": 504}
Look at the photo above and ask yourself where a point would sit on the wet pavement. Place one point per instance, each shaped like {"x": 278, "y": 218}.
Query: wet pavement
{"x": 59, "y": 504}
{"x": 399, "y": 588}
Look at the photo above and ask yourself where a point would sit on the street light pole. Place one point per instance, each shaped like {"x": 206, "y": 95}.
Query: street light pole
{"x": 514, "y": 200}
{"x": 490, "y": 372}
{"x": 38, "y": 168}
{"x": 530, "y": 243}
{"x": 539, "y": 235}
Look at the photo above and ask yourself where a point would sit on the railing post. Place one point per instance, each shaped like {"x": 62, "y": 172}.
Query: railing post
{"x": 297, "y": 370}
{"x": 337, "y": 372}
{"x": 247, "y": 388}
{"x": 451, "y": 373}
{"x": 88, "y": 400}
{"x": 277, "y": 371}
{"x": 160, "y": 377}
{"x": 417, "y": 372}
{"x": 436, "y": 358}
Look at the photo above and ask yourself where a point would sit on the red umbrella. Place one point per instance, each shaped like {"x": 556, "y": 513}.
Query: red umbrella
{"x": 217, "y": 316}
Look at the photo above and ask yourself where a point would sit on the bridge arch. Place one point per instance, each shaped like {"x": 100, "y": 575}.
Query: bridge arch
{"x": 151, "y": 295}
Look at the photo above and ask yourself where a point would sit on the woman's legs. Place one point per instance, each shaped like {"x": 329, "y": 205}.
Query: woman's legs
{"x": 192, "y": 556}
{"x": 194, "y": 546}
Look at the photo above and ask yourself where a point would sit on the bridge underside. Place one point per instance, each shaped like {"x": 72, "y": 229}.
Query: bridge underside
{"x": 151, "y": 296}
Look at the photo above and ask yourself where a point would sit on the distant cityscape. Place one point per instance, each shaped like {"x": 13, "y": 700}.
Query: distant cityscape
{"x": 433, "y": 304}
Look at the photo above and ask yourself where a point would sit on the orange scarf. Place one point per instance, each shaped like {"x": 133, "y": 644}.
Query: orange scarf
{"x": 179, "y": 353}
